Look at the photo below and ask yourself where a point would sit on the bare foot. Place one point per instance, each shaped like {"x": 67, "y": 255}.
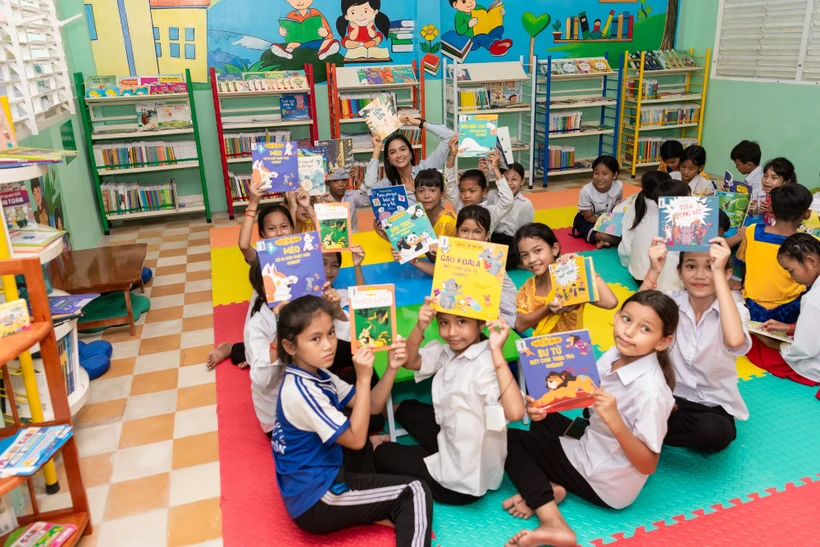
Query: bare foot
{"x": 218, "y": 354}
{"x": 559, "y": 535}
{"x": 517, "y": 507}
{"x": 602, "y": 244}
{"x": 559, "y": 491}
{"x": 376, "y": 440}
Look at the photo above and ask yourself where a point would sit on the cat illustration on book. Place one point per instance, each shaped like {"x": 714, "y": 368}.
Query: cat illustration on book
{"x": 565, "y": 385}
{"x": 305, "y": 27}
{"x": 308, "y": 246}
{"x": 363, "y": 28}
{"x": 492, "y": 264}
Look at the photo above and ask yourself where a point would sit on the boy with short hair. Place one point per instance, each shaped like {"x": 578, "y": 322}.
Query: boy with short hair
{"x": 746, "y": 155}
{"x": 671, "y": 151}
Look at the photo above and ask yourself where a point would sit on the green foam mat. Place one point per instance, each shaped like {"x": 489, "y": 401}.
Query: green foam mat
{"x": 779, "y": 444}
{"x": 608, "y": 266}
{"x": 113, "y": 305}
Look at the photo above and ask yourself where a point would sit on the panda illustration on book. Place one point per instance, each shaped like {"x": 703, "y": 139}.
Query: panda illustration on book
{"x": 410, "y": 246}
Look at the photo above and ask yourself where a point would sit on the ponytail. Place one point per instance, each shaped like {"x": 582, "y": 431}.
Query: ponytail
{"x": 649, "y": 182}
{"x": 666, "y": 367}
{"x": 255, "y": 277}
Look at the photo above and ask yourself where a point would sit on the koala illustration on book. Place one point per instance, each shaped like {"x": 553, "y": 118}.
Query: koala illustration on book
{"x": 492, "y": 264}
{"x": 450, "y": 291}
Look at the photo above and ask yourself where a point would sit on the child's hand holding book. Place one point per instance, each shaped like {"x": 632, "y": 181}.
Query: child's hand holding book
{"x": 535, "y": 412}
{"x": 397, "y": 357}
{"x": 426, "y": 313}
{"x": 719, "y": 253}
{"x": 363, "y": 361}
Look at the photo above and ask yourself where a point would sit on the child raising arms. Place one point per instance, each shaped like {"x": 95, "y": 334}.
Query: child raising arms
{"x": 522, "y": 213}
{"x": 321, "y": 495}
{"x": 462, "y": 435}
{"x": 538, "y": 307}
{"x": 611, "y": 462}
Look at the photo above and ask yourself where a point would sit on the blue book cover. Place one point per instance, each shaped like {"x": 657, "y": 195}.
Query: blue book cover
{"x": 610, "y": 223}
{"x": 411, "y": 233}
{"x": 560, "y": 369}
{"x": 386, "y": 202}
{"x": 477, "y": 135}
{"x": 313, "y": 170}
{"x": 276, "y": 164}
{"x": 688, "y": 223}
{"x": 291, "y": 266}
{"x": 294, "y": 106}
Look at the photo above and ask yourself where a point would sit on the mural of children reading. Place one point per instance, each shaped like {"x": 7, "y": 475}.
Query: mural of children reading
{"x": 363, "y": 28}
{"x": 484, "y": 26}
{"x": 305, "y": 27}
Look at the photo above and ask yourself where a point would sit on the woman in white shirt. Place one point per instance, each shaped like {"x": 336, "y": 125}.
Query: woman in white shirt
{"x": 462, "y": 435}
{"x": 711, "y": 335}
{"x": 611, "y": 462}
{"x": 800, "y": 256}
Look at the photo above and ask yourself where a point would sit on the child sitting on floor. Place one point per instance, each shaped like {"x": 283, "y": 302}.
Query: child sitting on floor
{"x": 776, "y": 173}
{"x": 311, "y": 435}
{"x": 692, "y": 163}
{"x": 711, "y": 335}
{"x": 670, "y": 156}
{"x": 611, "y": 462}
{"x": 538, "y": 307}
{"x": 462, "y": 440}
{"x": 338, "y": 192}
{"x": 522, "y": 213}
{"x": 799, "y": 255}
{"x": 596, "y": 198}
{"x": 746, "y": 155}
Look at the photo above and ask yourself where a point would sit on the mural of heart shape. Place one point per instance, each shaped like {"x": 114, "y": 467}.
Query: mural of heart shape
{"x": 535, "y": 25}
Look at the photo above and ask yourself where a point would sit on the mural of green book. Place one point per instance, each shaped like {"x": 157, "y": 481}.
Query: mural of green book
{"x": 301, "y": 32}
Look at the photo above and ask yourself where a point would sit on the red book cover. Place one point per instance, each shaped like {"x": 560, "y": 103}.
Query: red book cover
{"x": 629, "y": 28}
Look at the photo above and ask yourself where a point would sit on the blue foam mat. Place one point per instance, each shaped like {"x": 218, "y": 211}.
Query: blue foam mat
{"x": 411, "y": 284}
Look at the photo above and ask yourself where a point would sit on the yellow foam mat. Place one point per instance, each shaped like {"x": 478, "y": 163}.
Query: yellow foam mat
{"x": 561, "y": 217}
{"x": 600, "y": 321}
{"x": 746, "y": 370}
{"x": 229, "y": 275}
{"x": 377, "y": 250}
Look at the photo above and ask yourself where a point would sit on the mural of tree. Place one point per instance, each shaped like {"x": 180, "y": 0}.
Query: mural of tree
{"x": 670, "y": 26}
{"x": 535, "y": 26}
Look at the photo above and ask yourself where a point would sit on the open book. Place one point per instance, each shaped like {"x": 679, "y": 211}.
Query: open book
{"x": 754, "y": 326}
{"x": 489, "y": 19}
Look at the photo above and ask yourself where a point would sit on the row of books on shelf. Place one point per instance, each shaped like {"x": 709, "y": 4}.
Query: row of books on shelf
{"x": 667, "y": 59}
{"x": 240, "y": 186}
{"x": 649, "y": 148}
{"x": 241, "y": 144}
{"x": 125, "y": 86}
{"x": 571, "y": 67}
{"x": 670, "y": 114}
{"x": 130, "y": 154}
{"x": 351, "y": 105}
{"x": 130, "y": 197}
{"x": 615, "y": 28}
{"x": 560, "y": 157}
{"x": 565, "y": 121}
{"x": 492, "y": 95}
{"x": 386, "y": 75}
{"x": 650, "y": 88}
{"x": 246, "y": 82}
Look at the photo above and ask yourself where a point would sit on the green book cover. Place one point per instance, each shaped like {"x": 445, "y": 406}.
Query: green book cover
{"x": 301, "y": 32}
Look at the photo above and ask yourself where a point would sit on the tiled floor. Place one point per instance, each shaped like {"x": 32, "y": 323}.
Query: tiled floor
{"x": 147, "y": 436}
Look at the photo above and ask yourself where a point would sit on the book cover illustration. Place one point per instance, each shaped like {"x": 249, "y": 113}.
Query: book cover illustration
{"x": 574, "y": 281}
{"x": 334, "y": 225}
{"x": 568, "y": 67}
{"x": 339, "y": 156}
{"x": 386, "y": 202}
{"x": 624, "y": 205}
{"x": 175, "y": 115}
{"x": 14, "y": 317}
{"x": 276, "y": 165}
{"x": 688, "y": 223}
{"x": 147, "y": 116}
{"x": 755, "y": 326}
{"x": 291, "y": 267}
{"x": 101, "y": 86}
{"x": 410, "y": 233}
{"x": 812, "y": 224}
{"x": 488, "y": 19}
{"x": 504, "y": 146}
{"x": 24, "y": 452}
{"x": 16, "y": 205}
{"x": 610, "y": 223}
{"x": 600, "y": 65}
{"x": 403, "y": 75}
{"x": 735, "y": 205}
{"x": 381, "y": 116}
{"x": 69, "y": 304}
{"x": 732, "y": 185}
{"x": 372, "y": 317}
{"x": 312, "y": 171}
{"x": 41, "y": 534}
{"x": 560, "y": 369}
{"x": 555, "y": 68}
{"x": 477, "y": 135}
{"x": 294, "y": 106}
{"x": 468, "y": 276}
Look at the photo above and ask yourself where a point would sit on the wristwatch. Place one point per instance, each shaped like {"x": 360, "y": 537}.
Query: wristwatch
{"x": 422, "y": 121}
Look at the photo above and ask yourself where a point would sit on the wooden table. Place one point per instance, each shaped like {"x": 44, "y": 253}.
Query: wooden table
{"x": 106, "y": 269}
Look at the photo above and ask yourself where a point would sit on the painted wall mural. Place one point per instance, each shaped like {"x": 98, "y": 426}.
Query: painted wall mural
{"x": 139, "y": 37}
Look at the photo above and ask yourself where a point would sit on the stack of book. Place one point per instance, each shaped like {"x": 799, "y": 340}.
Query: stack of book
{"x": 401, "y": 36}
{"x": 24, "y": 453}
{"x": 97, "y": 87}
{"x": 649, "y": 148}
{"x": 564, "y": 122}
{"x": 650, "y": 89}
{"x": 241, "y": 144}
{"x": 245, "y": 82}
{"x": 360, "y": 141}
{"x": 130, "y": 197}
{"x": 20, "y": 156}
{"x": 33, "y": 238}
{"x": 670, "y": 114}
{"x": 564, "y": 67}
{"x": 126, "y": 155}
{"x": 240, "y": 183}
{"x": 64, "y": 308}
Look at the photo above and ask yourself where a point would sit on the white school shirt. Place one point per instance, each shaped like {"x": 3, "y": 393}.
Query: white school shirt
{"x": 705, "y": 369}
{"x": 470, "y": 459}
{"x": 435, "y": 160}
{"x": 499, "y": 209}
{"x": 698, "y": 185}
{"x": 591, "y": 199}
{"x": 804, "y": 354}
{"x": 508, "y": 308}
{"x": 356, "y": 199}
{"x": 522, "y": 213}
{"x": 266, "y": 377}
{"x": 633, "y": 250}
{"x": 755, "y": 180}
{"x": 644, "y": 402}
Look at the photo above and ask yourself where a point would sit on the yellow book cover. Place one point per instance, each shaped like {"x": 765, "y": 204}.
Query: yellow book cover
{"x": 372, "y": 317}
{"x": 8, "y": 139}
{"x": 334, "y": 226}
{"x": 468, "y": 277}
{"x": 488, "y": 20}
{"x": 574, "y": 281}
{"x": 14, "y": 317}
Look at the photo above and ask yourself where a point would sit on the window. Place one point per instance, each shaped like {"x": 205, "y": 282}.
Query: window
{"x": 158, "y": 47}
{"x": 173, "y": 33}
{"x": 768, "y": 40}
{"x": 189, "y": 35}
{"x": 89, "y": 19}
{"x": 190, "y": 51}
{"x": 33, "y": 72}
{"x": 174, "y": 51}
{"x": 156, "y": 33}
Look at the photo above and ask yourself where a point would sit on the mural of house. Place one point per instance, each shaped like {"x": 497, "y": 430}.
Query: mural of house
{"x": 142, "y": 37}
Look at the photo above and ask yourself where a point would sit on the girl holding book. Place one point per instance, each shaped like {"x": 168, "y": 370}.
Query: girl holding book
{"x": 462, "y": 440}
{"x": 596, "y": 198}
{"x": 538, "y": 306}
{"x": 711, "y": 335}
{"x": 614, "y": 457}
{"x": 400, "y": 158}
{"x": 325, "y": 481}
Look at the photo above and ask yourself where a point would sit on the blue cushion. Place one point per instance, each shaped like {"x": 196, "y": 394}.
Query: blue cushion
{"x": 99, "y": 347}
{"x": 96, "y": 365}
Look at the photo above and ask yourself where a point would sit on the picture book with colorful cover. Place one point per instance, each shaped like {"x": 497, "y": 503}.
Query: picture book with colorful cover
{"x": 812, "y": 224}
{"x": 276, "y": 165}
{"x": 14, "y": 317}
{"x": 735, "y": 205}
{"x": 410, "y": 233}
{"x": 147, "y": 115}
{"x": 41, "y": 534}
{"x": 381, "y": 116}
{"x": 504, "y": 146}
{"x": 624, "y": 205}
{"x": 8, "y": 138}
{"x": 386, "y": 202}
{"x": 403, "y": 75}
{"x": 334, "y": 225}
{"x": 291, "y": 267}
{"x": 731, "y": 185}
{"x": 610, "y": 223}
{"x": 22, "y": 454}
{"x": 688, "y": 223}
{"x": 560, "y": 370}
{"x": 70, "y": 303}
{"x": 574, "y": 281}
{"x": 468, "y": 276}
{"x": 504, "y": 94}
{"x": 16, "y": 204}
{"x": 173, "y": 115}
{"x": 372, "y": 316}
{"x": 477, "y": 135}
{"x": 101, "y": 86}
{"x": 755, "y": 326}
{"x": 312, "y": 171}
{"x": 339, "y": 156}
{"x": 294, "y": 106}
